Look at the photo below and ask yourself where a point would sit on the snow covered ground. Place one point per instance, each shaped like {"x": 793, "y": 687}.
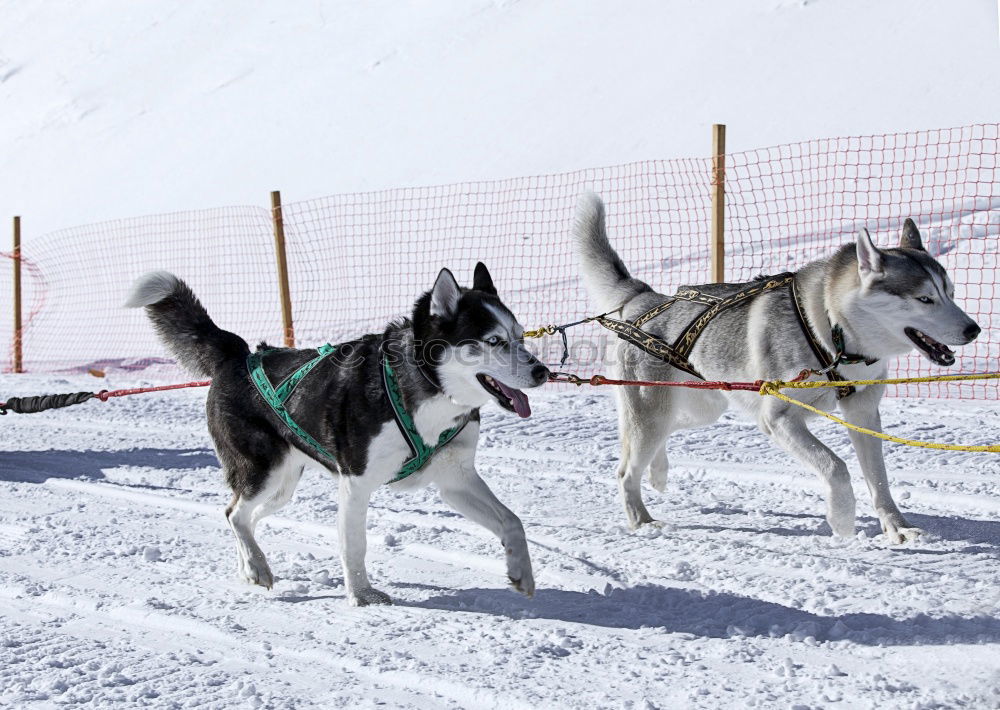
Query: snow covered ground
{"x": 117, "y": 573}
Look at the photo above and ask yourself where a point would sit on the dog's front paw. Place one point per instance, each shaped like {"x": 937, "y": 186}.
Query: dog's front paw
{"x": 898, "y": 531}
{"x": 902, "y": 535}
{"x": 256, "y": 571}
{"x": 525, "y": 585}
{"x": 519, "y": 573}
{"x": 367, "y": 597}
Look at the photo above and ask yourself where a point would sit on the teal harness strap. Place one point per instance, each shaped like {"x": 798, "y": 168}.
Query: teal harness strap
{"x": 422, "y": 452}
{"x": 277, "y": 396}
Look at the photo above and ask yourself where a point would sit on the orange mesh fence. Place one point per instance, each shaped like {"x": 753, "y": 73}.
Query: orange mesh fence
{"x": 85, "y": 273}
{"x": 33, "y": 298}
{"x": 358, "y": 260}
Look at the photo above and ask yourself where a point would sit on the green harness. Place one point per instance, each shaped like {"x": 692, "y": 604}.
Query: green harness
{"x": 277, "y": 395}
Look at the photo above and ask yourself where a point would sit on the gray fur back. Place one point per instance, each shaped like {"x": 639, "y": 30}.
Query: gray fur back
{"x": 607, "y": 279}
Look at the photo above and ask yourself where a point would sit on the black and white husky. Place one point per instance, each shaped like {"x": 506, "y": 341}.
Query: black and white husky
{"x": 886, "y": 302}
{"x": 461, "y": 349}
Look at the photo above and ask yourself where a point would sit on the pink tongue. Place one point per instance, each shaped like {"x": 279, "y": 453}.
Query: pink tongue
{"x": 518, "y": 398}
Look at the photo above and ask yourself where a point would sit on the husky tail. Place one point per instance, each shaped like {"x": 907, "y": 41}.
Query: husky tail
{"x": 608, "y": 281}
{"x": 183, "y": 324}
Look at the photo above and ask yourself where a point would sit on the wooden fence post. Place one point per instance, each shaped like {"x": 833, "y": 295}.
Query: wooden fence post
{"x": 18, "y": 346}
{"x": 718, "y": 202}
{"x": 279, "y": 250}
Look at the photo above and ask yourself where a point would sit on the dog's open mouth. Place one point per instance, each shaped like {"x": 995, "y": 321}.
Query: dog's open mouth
{"x": 937, "y": 352}
{"x": 513, "y": 400}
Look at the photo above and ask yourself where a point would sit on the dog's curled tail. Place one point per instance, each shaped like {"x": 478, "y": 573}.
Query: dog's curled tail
{"x": 608, "y": 282}
{"x": 183, "y": 324}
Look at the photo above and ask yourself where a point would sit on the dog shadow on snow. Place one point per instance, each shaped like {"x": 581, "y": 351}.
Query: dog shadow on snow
{"x": 726, "y": 615}
{"x": 39, "y": 466}
{"x": 716, "y": 615}
{"x": 980, "y": 536}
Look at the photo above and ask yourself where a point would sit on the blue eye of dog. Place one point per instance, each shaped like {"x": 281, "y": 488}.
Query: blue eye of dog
{"x": 494, "y": 340}
{"x": 925, "y": 299}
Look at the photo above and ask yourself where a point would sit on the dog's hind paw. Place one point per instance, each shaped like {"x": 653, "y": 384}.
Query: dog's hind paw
{"x": 638, "y": 516}
{"x": 368, "y": 597}
{"x": 647, "y": 519}
{"x": 841, "y": 512}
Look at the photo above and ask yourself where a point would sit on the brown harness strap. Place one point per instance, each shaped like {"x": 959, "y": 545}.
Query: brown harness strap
{"x": 685, "y": 342}
{"x": 677, "y": 354}
{"x": 655, "y": 346}
{"x": 827, "y": 365}
{"x": 687, "y": 294}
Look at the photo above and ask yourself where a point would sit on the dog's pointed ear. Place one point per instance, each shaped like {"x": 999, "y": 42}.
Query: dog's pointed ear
{"x": 445, "y": 295}
{"x": 910, "y": 238}
{"x": 871, "y": 261}
{"x": 482, "y": 281}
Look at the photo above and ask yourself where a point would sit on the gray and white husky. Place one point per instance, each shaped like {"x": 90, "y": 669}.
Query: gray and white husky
{"x": 886, "y": 301}
{"x": 461, "y": 349}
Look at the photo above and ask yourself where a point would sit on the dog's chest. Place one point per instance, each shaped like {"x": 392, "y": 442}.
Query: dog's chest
{"x": 860, "y": 371}
{"x": 388, "y": 450}
{"x": 435, "y": 416}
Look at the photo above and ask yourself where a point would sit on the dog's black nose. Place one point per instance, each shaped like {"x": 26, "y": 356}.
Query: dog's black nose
{"x": 971, "y": 332}
{"x": 539, "y": 373}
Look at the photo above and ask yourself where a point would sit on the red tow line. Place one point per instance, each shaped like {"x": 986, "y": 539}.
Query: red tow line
{"x": 105, "y": 395}
{"x": 40, "y": 403}
{"x": 598, "y": 380}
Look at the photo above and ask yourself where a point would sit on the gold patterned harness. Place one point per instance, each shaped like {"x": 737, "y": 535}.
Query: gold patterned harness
{"x": 677, "y": 354}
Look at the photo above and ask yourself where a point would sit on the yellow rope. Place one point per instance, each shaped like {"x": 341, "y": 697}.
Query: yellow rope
{"x": 895, "y": 381}
{"x": 773, "y": 388}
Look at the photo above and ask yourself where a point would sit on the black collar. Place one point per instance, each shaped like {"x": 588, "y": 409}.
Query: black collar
{"x": 828, "y": 364}
{"x": 841, "y": 357}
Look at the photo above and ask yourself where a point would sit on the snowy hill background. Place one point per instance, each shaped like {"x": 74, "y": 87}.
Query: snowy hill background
{"x": 115, "y": 108}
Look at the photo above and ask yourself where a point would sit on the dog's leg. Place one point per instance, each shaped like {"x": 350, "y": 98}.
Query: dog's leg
{"x": 245, "y": 512}
{"x": 642, "y": 436}
{"x": 468, "y": 494}
{"x": 677, "y": 410}
{"x": 861, "y": 409}
{"x": 355, "y": 492}
{"x": 658, "y": 468}
{"x": 788, "y": 430}
{"x": 252, "y": 565}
